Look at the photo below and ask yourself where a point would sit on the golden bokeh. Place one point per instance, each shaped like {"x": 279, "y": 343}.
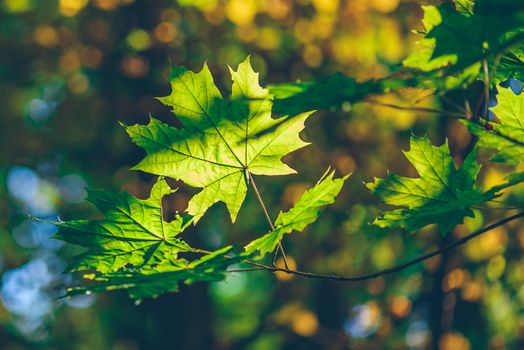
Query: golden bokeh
{"x": 46, "y": 36}
{"x": 454, "y": 341}
{"x": 70, "y": 8}
{"x": 284, "y": 276}
{"x": 165, "y": 32}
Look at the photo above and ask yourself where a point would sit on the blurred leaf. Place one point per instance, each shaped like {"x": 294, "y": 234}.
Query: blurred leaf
{"x": 221, "y": 141}
{"x": 511, "y": 180}
{"x": 201, "y": 4}
{"x": 294, "y": 98}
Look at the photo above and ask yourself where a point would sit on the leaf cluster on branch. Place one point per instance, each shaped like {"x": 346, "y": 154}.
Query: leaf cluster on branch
{"x": 224, "y": 143}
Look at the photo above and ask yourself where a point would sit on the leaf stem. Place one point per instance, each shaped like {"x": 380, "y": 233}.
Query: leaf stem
{"x": 247, "y": 269}
{"x": 268, "y": 218}
{"x": 486, "y": 86}
{"x": 453, "y": 103}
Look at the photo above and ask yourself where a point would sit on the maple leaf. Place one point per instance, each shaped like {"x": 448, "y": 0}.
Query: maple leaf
{"x": 132, "y": 233}
{"x": 442, "y": 195}
{"x": 506, "y": 136}
{"x": 486, "y": 22}
{"x": 433, "y": 73}
{"x": 422, "y": 57}
{"x": 221, "y": 141}
{"x": 166, "y": 277}
{"x": 303, "y": 213}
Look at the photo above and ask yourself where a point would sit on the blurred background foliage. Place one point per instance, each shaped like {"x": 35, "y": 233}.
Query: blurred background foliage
{"x": 72, "y": 69}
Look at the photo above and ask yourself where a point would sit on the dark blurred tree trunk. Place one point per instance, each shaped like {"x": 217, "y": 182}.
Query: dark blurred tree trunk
{"x": 179, "y": 321}
{"x": 437, "y": 294}
{"x": 173, "y": 321}
{"x": 441, "y": 318}
{"x": 437, "y": 298}
{"x": 331, "y": 309}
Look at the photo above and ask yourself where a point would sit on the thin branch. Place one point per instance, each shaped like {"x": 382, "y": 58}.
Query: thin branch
{"x": 453, "y": 103}
{"x": 496, "y": 132}
{"x": 399, "y": 94}
{"x": 495, "y": 65}
{"x": 474, "y": 116}
{"x": 483, "y": 96}
{"x": 494, "y": 208}
{"x": 268, "y": 218}
{"x": 505, "y": 202}
{"x": 373, "y": 275}
{"x": 486, "y": 86}
{"x": 467, "y": 106}
{"x": 417, "y": 109}
{"x": 409, "y": 263}
{"x": 247, "y": 269}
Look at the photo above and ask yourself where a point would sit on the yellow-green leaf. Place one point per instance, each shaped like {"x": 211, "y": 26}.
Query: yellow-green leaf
{"x": 507, "y": 135}
{"x": 221, "y": 141}
{"x": 305, "y": 211}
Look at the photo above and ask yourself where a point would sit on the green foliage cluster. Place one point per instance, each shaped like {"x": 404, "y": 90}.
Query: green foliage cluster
{"x": 224, "y": 143}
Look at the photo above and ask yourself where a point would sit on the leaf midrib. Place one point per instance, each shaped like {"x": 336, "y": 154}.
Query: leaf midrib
{"x": 211, "y": 120}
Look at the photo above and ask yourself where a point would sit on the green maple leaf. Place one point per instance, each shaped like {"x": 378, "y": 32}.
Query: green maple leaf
{"x": 166, "y": 277}
{"x": 486, "y": 24}
{"x": 221, "y": 141}
{"x": 133, "y": 232}
{"x": 507, "y": 137}
{"x": 422, "y": 58}
{"x": 442, "y": 195}
{"x": 305, "y": 211}
{"x": 434, "y": 70}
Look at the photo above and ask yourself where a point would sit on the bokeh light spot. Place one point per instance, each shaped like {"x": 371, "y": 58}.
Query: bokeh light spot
{"x": 135, "y": 66}
{"x": 17, "y": 6}
{"x": 107, "y": 5}
{"x": 454, "y": 341}
{"x": 417, "y": 334}
{"x": 363, "y": 321}
{"x": 284, "y": 276}
{"x": 241, "y": 12}
{"x": 138, "y": 40}
{"x": 46, "y": 36}
{"x": 70, "y": 8}
{"x": 165, "y": 32}
{"x": 305, "y": 323}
